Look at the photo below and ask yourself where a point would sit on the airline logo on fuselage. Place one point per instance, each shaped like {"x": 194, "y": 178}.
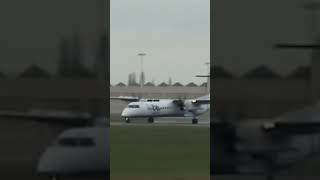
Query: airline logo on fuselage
{"x": 155, "y": 108}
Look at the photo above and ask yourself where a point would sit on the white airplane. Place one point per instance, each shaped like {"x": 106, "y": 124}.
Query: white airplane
{"x": 150, "y": 108}
{"x": 265, "y": 146}
{"x": 77, "y": 152}
{"x": 82, "y": 150}
{"x": 153, "y": 107}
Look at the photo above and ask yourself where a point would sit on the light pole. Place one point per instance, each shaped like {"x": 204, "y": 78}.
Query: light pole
{"x": 141, "y": 68}
{"x": 311, "y": 81}
{"x": 208, "y": 67}
{"x": 208, "y": 78}
{"x": 312, "y": 7}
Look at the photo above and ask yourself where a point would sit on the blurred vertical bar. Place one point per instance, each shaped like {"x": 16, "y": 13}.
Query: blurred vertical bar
{"x": 54, "y": 62}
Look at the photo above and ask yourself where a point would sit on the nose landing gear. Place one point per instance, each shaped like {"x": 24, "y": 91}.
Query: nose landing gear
{"x": 194, "y": 121}
{"x": 150, "y": 120}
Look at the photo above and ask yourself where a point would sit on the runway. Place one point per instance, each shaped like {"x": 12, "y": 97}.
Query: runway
{"x": 183, "y": 122}
{"x": 200, "y": 125}
{"x": 203, "y": 121}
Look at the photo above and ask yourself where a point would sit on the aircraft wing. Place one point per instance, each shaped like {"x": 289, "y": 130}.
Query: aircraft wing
{"x": 126, "y": 98}
{"x": 200, "y": 101}
{"x": 303, "y": 121}
{"x": 292, "y": 128}
{"x": 180, "y": 103}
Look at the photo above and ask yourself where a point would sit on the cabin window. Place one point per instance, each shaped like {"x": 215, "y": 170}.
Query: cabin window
{"x": 68, "y": 142}
{"x": 76, "y": 142}
{"x": 133, "y": 106}
{"x": 86, "y": 142}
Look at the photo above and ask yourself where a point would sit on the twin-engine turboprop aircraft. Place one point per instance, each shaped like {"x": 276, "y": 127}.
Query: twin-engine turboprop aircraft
{"x": 154, "y": 107}
{"x": 151, "y": 108}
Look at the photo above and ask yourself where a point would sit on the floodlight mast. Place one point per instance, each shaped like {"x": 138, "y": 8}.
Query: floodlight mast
{"x": 313, "y": 7}
{"x": 311, "y": 86}
{"x": 207, "y": 76}
{"x": 141, "y": 69}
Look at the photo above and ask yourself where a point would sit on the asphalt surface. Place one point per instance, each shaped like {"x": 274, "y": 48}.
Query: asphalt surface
{"x": 203, "y": 121}
{"x": 164, "y": 123}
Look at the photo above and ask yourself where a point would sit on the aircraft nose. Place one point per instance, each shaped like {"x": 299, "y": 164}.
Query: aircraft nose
{"x": 125, "y": 112}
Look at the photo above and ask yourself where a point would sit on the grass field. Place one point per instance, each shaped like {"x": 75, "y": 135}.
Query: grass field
{"x": 171, "y": 153}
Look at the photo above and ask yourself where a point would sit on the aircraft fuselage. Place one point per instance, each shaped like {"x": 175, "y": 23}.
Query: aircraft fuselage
{"x": 163, "y": 108}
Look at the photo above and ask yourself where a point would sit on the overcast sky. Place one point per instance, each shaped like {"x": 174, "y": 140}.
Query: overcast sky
{"x": 175, "y": 35}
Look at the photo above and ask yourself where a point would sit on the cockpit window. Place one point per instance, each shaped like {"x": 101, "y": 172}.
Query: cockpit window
{"x": 133, "y": 106}
{"x": 154, "y": 100}
{"x": 76, "y": 142}
{"x": 86, "y": 142}
{"x": 68, "y": 142}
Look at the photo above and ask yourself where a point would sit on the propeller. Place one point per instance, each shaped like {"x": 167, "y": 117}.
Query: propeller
{"x": 180, "y": 102}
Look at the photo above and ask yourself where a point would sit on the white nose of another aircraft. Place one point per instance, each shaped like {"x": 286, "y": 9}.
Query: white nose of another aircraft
{"x": 129, "y": 112}
{"x": 125, "y": 112}
{"x": 133, "y": 110}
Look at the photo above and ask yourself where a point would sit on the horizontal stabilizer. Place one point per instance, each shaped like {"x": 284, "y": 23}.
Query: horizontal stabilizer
{"x": 126, "y": 98}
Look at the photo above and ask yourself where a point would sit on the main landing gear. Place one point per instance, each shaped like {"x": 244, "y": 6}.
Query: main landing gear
{"x": 194, "y": 121}
{"x": 150, "y": 120}
{"x": 127, "y": 120}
